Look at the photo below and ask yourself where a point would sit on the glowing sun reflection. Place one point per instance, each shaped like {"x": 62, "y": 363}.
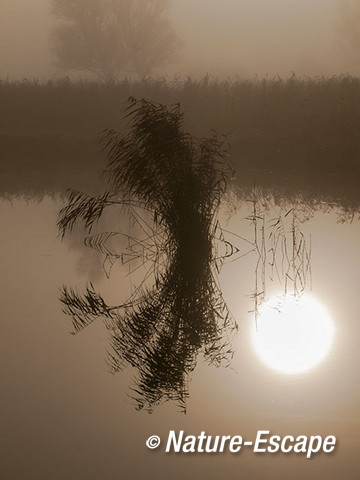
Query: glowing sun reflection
{"x": 293, "y": 335}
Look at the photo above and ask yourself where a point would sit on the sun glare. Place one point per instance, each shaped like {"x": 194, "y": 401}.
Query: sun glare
{"x": 293, "y": 335}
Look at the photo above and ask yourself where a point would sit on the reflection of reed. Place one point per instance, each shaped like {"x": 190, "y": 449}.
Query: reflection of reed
{"x": 179, "y": 181}
{"x": 283, "y": 253}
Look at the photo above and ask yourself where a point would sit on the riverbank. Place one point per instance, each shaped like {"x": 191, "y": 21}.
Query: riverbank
{"x": 287, "y": 136}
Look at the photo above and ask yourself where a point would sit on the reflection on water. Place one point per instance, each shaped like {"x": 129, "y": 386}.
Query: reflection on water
{"x": 179, "y": 182}
{"x": 283, "y": 251}
{"x": 57, "y": 398}
{"x": 170, "y": 316}
{"x": 293, "y": 334}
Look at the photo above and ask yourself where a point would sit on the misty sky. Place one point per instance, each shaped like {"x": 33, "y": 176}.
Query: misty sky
{"x": 221, "y": 37}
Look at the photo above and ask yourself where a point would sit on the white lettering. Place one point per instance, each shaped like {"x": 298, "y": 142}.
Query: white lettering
{"x": 274, "y": 441}
{"x": 235, "y": 444}
{"x": 189, "y": 445}
{"x": 172, "y": 438}
{"x": 331, "y": 442}
{"x": 311, "y": 443}
{"x": 283, "y": 443}
{"x": 260, "y": 440}
{"x": 300, "y": 445}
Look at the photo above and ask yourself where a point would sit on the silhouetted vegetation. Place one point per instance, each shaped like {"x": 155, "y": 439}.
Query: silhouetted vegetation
{"x": 113, "y": 38}
{"x": 283, "y": 252}
{"x": 179, "y": 182}
{"x": 290, "y": 136}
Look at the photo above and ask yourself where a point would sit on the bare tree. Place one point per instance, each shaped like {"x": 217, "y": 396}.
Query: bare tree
{"x": 349, "y": 25}
{"x": 113, "y": 37}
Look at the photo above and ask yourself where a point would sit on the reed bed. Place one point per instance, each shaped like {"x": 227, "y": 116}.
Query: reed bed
{"x": 291, "y": 135}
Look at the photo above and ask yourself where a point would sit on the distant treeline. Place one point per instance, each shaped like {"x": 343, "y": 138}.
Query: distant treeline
{"x": 286, "y": 135}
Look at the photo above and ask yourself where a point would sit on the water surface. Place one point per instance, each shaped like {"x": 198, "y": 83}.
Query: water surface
{"x": 65, "y": 416}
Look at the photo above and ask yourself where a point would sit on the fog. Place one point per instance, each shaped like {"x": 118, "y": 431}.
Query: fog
{"x": 223, "y": 38}
{"x": 294, "y": 140}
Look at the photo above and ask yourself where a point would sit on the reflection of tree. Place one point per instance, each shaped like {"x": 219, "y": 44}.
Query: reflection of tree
{"x": 179, "y": 181}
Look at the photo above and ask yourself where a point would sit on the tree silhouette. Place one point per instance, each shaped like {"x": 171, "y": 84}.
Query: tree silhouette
{"x": 113, "y": 37}
{"x": 179, "y": 180}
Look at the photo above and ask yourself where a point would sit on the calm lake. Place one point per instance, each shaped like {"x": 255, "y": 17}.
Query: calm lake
{"x": 64, "y": 415}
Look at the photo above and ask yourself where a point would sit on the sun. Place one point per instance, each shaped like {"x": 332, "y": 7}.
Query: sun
{"x": 293, "y": 335}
